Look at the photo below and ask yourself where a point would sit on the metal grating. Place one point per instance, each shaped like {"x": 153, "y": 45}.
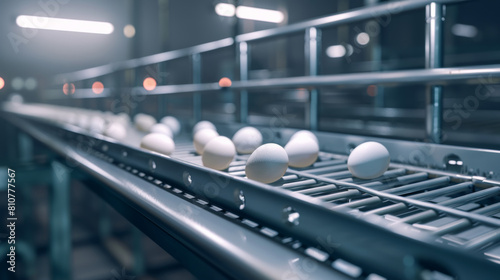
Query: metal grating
{"x": 471, "y": 215}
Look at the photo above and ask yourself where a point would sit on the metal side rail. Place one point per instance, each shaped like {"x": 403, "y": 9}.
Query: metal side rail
{"x": 365, "y": 243}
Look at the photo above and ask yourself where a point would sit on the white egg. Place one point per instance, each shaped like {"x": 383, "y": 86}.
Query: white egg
{"x": 63, "y": 117}
{"x": 162, "y": 128}
{"x": 138, "y": 116}
{"x": 97, "y": 124}
{"x": 368, "y": 160}
{"x": 144, "y": 122}
{"x": 72, "y": 119}
{"x": 116, "y": 130}
{"x": 302, "y": 151}
{"x": 159, "y": 143}
{"x": 172, "y": 123}
{"x": 118, "y": 119}
{"x": 202, "y": 125}
{"x": 267, "y": 164}
{"x": 247, "y": 139}
{"x": 202, "y": 137}
{"x": 83, "y": 121}
{"x": 110, "y": 117}
{"x": 107, "y": 115}
{"x": 123, "y": 118}
{"x": 16, "y": 98}
{"x": 304, "y": 133}
{"x": 218, "y": 153}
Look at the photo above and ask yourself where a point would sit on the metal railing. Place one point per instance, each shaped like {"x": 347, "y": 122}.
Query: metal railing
{"x": 434, "y": 76}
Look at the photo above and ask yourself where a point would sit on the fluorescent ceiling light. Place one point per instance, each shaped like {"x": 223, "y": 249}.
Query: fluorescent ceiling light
{"x": 464, "y": 30}
{"x": 336, "y": 51}
{"x": 225, "y": 10}
{"x": 61, "y": 24}
{"x": 339, "y": 51}
{"x": 259, "y": 14}
{"x": 245, "y": 12}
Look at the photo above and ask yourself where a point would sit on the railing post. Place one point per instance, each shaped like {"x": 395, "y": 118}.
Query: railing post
{"x": 312, "y": 47}
{"x": 243, "y": 63}
{"x": 434, "y": 59}
{"x": 60, "y": 222}
{"x": 138, "y": 252}
{"x": 196, "y": 62}
{"x": 162, "y": 99}
{"x": 132, "y": 77}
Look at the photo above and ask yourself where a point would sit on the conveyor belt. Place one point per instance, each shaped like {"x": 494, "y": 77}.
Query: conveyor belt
{"x": 441, "y": 222}
{"x": 197, "y": 234}
{"x": 329, "y": 180}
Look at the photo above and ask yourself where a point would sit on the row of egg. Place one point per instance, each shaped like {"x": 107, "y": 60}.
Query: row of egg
{"x": 94, "y": 121}
{"x": 269, "y": 162}
{"x": 168, "y": 125}
{"x": 159, "y": 139}
{"x": 115, "y": 126}
{"x": 161, "y": 134}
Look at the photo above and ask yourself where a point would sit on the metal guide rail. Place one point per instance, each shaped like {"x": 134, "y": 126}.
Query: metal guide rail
{"x": 409, "y": 223}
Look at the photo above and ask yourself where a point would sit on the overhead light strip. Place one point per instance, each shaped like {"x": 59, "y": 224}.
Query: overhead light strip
{"x": 61, "y": 24}
{"x": 250, "y": 13}
{"x": 259, "y": 14}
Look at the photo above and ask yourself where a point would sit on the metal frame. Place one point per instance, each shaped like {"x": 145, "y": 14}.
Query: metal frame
{"x": 337, "y": 19}
{"x": 440, "y": 76}
{"x": 60, "y": 222}
{"x": 434, "y": 54}
{"x": 265, "y": 205}
{"x": 434, "y": 59}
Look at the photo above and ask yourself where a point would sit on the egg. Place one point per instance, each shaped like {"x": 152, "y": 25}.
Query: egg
{"x": 247, "y": 139}
{"x": 218, "y": 153}
{"x": 162, "y": 128}
{"x": 302, "y": 151}
{"x": 202, "y": 137}
{"x": 16, "y": 98}
{"x": 123, "y": 118}
{"x": 172, "y": 123}
{"x": 83, "y": 121}
{"x": 72, "y": 119}
{"x": 267, "y": 164}
{"x": 159, "y": 143}
{"x": 116, "y": 130}
{"x": 368, "y": 160}
{"x": 97, "y": 124}
{"x": 202, "y": 125}
{"x": 108, "y": 116}
{"x": 304, "y": 133}
{"x": 144, "y": 122}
